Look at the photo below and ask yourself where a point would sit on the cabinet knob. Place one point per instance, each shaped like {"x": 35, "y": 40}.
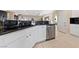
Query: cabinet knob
{"x": 29, "y": 34}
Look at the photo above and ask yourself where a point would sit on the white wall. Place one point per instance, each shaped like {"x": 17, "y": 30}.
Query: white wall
{"x": 44, "y": 12}
{"x": 64, "y": 21}
{"x": 50, "y": 15}
{"x": 10, "y": 15}
{"x": 75, "y": 13}
{"x": 24, "y": 14}
{"x": 47, "y": 13}
{"x": 29, "y": 17}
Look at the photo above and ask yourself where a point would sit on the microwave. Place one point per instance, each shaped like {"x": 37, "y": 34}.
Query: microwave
{"x": 74, "y": 20}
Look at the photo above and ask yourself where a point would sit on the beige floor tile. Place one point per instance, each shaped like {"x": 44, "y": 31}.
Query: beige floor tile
{"x": 62, "y": 40}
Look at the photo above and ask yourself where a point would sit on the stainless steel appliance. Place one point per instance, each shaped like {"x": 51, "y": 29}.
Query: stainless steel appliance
{"x": 74, "y": 20}
{"x": 50, "y": 32}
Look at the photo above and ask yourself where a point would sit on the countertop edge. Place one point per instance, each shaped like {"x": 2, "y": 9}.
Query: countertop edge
{"x": 7, "y": 32}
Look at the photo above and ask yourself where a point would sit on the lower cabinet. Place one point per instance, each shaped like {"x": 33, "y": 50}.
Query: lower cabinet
{"x": 16, "y": 44}
{"x": 40, "y": 33}
{"x": 26, "y": 38}
{"x": 2, "y": 43}
{"x": 37, "y": 34}
{"x": 22, "y": 42}
{"x": 74, "y": 29}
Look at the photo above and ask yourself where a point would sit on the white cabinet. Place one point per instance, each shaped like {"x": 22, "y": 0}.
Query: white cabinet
{"x": 18, "y": 40}
{"x": 74, "y": 29}
{"x": 35, "y": 34}
{"x": 40, "y": 33}
{"x": 22, "y": 41}
{"x": 2, "y": 42}
{"x": 10, "y": 37}
{"x": 18, "y": 43}
{"x": 15, "y": 44}
{"x": 28, "y": 37}
{"x": 25, "y": 38}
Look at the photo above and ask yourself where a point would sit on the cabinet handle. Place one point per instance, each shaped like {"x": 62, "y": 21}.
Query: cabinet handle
{"x": 29, "y": 34}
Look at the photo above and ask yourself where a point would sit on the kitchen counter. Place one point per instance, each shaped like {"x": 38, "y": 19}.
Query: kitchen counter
{"x": 25, "y": 37}
{"x": 13, "y": 30}
{"x": 17, "y": 29}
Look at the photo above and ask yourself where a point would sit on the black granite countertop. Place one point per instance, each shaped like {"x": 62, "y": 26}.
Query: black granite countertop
{"x": 17, "y": 29}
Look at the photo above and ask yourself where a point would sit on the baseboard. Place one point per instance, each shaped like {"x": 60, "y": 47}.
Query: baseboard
{"x": 74, "y": 35}
{"x": 50, "y": 39}
{"x": 38, "y": 43}
{"x": 42, "y": 41}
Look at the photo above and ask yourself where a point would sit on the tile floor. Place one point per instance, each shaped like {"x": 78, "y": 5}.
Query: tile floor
{"x": 62, "y": 40}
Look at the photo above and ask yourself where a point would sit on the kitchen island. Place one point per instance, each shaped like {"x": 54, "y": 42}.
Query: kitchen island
{"x": 25, "y": 37}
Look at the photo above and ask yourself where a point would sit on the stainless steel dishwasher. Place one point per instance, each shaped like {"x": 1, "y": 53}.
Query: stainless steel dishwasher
{"x": 50, "y": 32}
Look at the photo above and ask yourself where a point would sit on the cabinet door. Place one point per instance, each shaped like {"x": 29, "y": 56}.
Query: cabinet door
{"x": 35, "y": 34}
{"x": 29, "y": 43}
{"x": 11, "y": 37}
{"x": 2, "y": 42}
{"x": 18, "y": 40}
{"x": 23, "y": 41}
{"x": 14, "y": 44}
{"x": 27, "y": 40}
{"x": 40, "y": 33}
{"x": 30, "y": 37}
{"x": 74, "y": 29}
{"x": 18, "y": 43}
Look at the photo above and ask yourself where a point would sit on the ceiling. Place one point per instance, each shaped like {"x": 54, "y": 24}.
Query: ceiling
{"x": 32, "y": 12}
